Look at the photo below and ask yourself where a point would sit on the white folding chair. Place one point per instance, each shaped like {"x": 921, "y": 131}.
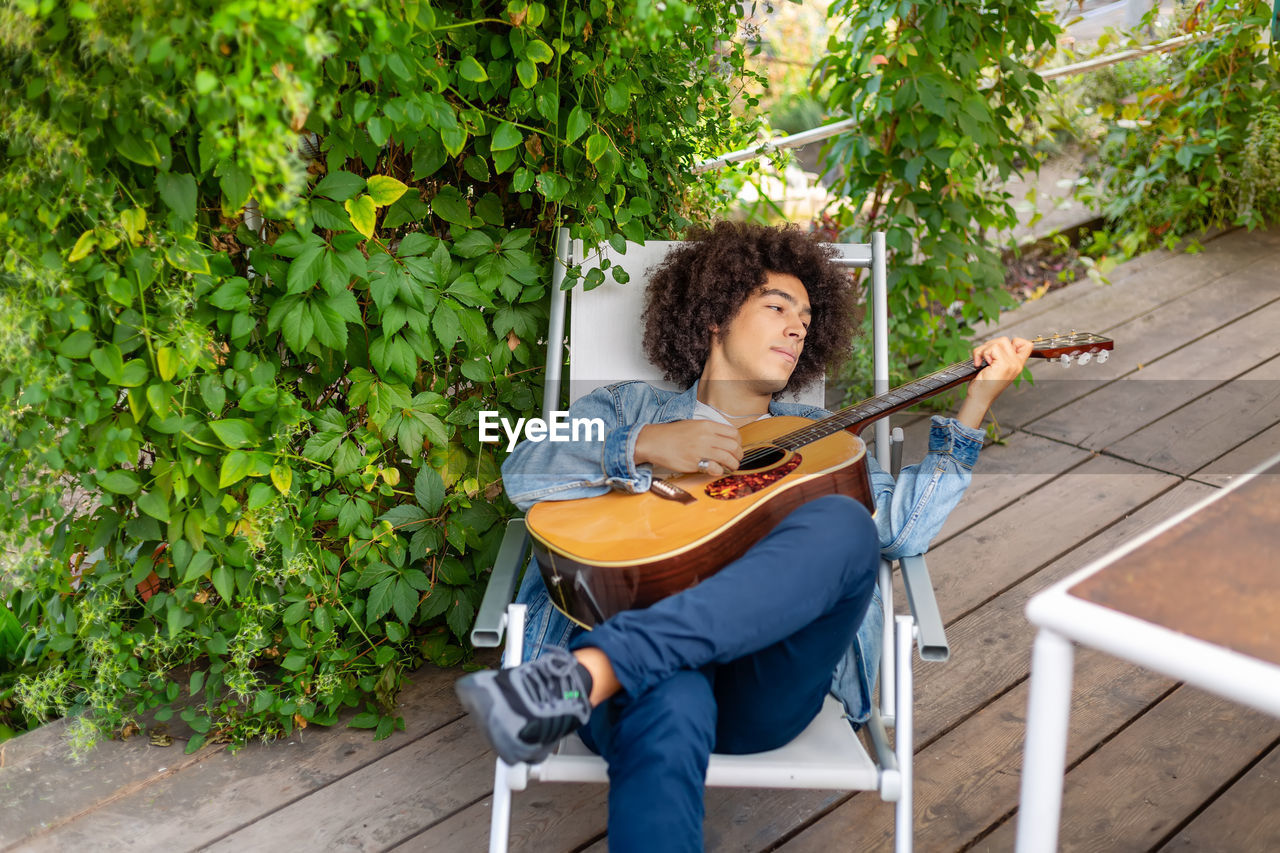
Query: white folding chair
{"x": 826, "y": 755}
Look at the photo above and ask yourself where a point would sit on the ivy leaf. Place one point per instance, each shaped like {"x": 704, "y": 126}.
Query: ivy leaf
{"x": 506, "y": 136}
{"x": 406, "y": 518}
{"x": 380, "y": 600}
{"x": 235, "y": 432}
{"x": 428, "y": 489}
{"x": 363, "y": 213}
{"x": 85, "y": 244}
{"x": 597, "y": 144}
{"x": 123, "y": 482}
{"x": 298, "y": 327}
{"x": 450, "y": 206}
{"x": 404, "y": 600}
{"x": 385, "y": 190}
{"x": 340, "y": 185}
{"x": 577, "y": 124}
{"x": 471, "y": 70}
{"x": 179, "y": 192}
{"x": 305, "y": 270}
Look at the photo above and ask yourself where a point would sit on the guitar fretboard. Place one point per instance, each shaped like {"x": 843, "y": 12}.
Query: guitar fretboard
{"x": 860, "y": 414}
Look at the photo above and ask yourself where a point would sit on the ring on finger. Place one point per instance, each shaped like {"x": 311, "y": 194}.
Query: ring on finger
{"x": 704, "y": 465}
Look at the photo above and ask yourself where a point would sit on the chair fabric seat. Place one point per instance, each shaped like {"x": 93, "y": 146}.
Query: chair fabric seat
{"x": 827, "y": 754}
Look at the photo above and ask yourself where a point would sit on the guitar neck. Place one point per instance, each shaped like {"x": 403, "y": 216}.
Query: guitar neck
{"x": 857, "y": 416}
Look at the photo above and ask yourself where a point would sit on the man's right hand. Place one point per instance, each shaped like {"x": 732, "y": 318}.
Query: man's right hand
{"x": 680, "y": 445}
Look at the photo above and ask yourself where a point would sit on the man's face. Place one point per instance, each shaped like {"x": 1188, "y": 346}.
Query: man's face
{"x": 763, "y": 341}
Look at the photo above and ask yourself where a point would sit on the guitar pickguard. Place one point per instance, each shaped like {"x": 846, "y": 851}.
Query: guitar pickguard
{"x": 734, "y": 486}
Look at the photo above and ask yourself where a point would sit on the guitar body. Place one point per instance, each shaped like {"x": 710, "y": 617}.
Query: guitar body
{"x": 619, "y": 551}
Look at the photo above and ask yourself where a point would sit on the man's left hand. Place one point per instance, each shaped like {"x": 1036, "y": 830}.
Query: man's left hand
{"x": 1004, "y": 359}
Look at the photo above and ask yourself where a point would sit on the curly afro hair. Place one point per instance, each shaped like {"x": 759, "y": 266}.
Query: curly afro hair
{"x": 705, "y": 282}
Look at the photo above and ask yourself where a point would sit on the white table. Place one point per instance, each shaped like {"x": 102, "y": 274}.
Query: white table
{"x": 1197, "y": 599}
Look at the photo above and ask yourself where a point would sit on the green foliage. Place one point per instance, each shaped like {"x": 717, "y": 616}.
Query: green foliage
{"x": 1195, "y": 146}
{"x": 263, "y": 263}
{"x": 938, "y": 91}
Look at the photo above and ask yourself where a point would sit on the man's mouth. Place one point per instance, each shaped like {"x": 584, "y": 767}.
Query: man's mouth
{"x": 785, "y": 352}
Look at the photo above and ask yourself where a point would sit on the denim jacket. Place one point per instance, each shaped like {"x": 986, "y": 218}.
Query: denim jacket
{"x": 909, "y": 512}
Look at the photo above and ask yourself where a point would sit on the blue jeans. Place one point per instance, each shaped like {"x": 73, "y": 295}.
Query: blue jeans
{"x": 759, "y": 640}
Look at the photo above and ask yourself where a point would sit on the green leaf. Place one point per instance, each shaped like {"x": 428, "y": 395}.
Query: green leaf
{"x": 506, "y": 136}
{"x": 577, "y": 124}
{"x": 385, "y": 190}
{"x": 597, "y": 144}
{"x": 179, "y": 192}
{"x": 450, "y": 206}
{"x": 109, "y": 362}
{"x": 305, "y": 270}
{"x": 538, "y": 51}
{"x": 380, "y": 600}
{"x": 120, "y": 482}
{"x": 428, "y": 489}
{"x": 154, "y": 505}
{"x": 236, "y": 465}
{"x": 340, "y": 185}
{"x": 527, "y": 73}
{"x": 298, "y": 327}
{"x": 404, "y": 600}
{"x": 471, "y": 70}
{"x": 236, "y": 432}
{"x": 224, "y": 583}
{"x": 364, "y": 214}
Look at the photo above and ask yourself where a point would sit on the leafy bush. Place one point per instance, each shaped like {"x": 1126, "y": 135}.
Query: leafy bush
{"x": 939, "y": 92}
{"x": 263, "y": 263}
{"x": 1195, "y": 147}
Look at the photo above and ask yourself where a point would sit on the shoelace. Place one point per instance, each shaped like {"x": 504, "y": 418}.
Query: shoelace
{"x": 557, "y": 699}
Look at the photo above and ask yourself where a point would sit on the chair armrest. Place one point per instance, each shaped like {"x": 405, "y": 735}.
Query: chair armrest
{"x": 924, "y": 606}
{"x": 491, "y": 620}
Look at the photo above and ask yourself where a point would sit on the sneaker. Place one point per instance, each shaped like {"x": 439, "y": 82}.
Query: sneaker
{"x": 525, "y": 710}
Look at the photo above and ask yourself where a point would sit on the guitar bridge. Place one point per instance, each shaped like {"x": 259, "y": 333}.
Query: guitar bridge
{"x": 663, "y": 489}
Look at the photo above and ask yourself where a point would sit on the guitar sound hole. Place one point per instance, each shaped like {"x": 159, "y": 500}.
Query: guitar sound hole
{"x": 756, "y": 458}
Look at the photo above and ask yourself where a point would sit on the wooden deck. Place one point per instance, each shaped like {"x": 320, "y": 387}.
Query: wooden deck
{"x": 1189, "y": 400}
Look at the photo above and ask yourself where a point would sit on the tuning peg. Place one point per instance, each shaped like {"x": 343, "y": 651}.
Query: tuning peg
{"x": 1103, "y": 356}
{"x": 1065, "y": 359}
{"x": 1084, "y": 358}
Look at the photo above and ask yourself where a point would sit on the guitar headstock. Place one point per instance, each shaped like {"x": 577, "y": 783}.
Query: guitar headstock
{"x": 1081, "y": 347}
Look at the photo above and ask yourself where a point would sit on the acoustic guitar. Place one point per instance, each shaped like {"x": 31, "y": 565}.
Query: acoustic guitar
{"x": 602, "y": 555}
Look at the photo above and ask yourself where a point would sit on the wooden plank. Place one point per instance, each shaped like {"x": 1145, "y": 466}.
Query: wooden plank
{"x": 545, "y": 817}
{"x": 1123, "y": 407}
{"x": 381, "y": 804}
{"x": 968, "y": 780}
{"x": 1137, "y": 788}
{"x": 1260, "y": 449}
{"x": 991, "y": 650}
{"x": 1245, "y": 817}
{"x": 199, "y": 798}
{"x": 1006, "y": 473}
{"x": 1043, "y": 526}
{"x": 1142, "y": 288}
{"x": 992, "y": 645}
{"x": 1209, "y": 427}
{"x": 1140, "y": 341}
{"x": 1225, "y": 253}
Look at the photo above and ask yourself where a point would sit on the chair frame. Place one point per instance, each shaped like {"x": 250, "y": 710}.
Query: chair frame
{"x": 892, "y": 771}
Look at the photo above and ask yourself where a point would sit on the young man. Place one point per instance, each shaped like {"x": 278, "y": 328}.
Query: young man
{"x": 740, "y": 662}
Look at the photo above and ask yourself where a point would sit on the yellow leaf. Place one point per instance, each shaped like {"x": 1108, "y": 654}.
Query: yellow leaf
{"x": 363, "y": 212}
{"x": 133, "y": 221}
{"x": 84, "y": 245}
{"x": 282, "y": 477}
{"x": 385, "y": 190}
{"x": 166, "y": 362}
